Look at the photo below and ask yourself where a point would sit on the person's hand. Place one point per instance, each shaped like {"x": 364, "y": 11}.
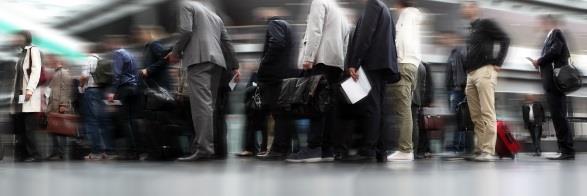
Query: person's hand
{"x": 308, "y": 65}
{"x": 144, "y": 73}
{"x": 497, "y": 68}
{"x": 62, "y": 109}
{"x": 110, "y": 97}
{"x": 353, "y": 73}
{"x": 28, "y": 95}
{"x": 172, "y": 58}
{"x": 534, "y": 62}
{"x": 237, "y": 75}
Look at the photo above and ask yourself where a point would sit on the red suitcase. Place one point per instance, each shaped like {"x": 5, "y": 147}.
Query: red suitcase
{"x": 506, "y": 145}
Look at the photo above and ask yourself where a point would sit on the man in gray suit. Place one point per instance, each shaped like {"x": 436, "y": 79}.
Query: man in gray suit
{"x": 200, "y": 48}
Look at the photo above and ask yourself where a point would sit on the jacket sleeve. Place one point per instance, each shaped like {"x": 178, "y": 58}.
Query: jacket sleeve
{"x": 551, "y": 52}
{"x": 276, "y": 42}
{"x": 228, "y": 51}
{"x": 185, "y": 28}
{"x": 157, "y": 50}
{"x": 498, "y": 35}
{"x": 315, "y": 29}
{"x": 66, "y": 89}
{"x": 363, "y": 36}
{"x": 117, "y": 64}
{"x": 35, "y": 76}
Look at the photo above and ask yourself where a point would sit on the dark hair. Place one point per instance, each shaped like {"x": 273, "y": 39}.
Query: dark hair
{"x": 472, "y": 2}
{"x": 406, "y": 3}
{"x": 28, "y": 36}
{"x": 554, "y": 19}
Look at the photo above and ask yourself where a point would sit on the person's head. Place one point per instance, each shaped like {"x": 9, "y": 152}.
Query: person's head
{"x": 362, "y": 1}
{"x": 401, "y": 4}
{"x": 549, "y": 22}
{"x": 267, "y": 13}
{"x": 145, "y": 34}
{"x": 53, "y": 61}
{"x": 22, "y": 38}
{"x": 449, "y": 38}
{"x": 470, "y": 10}
{"x": 113, "y": 42}
{"x": 530, "y": 98}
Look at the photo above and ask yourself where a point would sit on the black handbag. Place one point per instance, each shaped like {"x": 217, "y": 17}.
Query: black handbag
{"x": 253, "y": 101}
{"x": 567, "y": 79}
{"x": 305, "y": 96}
{"x": 157, "y": 98}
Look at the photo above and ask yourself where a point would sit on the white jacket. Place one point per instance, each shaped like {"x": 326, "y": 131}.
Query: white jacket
{"x": 327, "y": 34}
{"x": 30, "y": 83}
{"x": 408, "y": 36}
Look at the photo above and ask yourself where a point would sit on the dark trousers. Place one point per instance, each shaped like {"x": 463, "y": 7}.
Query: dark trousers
{"x": 97, "y": 124}
{"x": 57, "y": 145}
{"x": 419, "y": 136}
{"x": 323, "y": 126}
{"x": 256, "y": 121}
{"x": 220, "y": 127}
{"x": 25, "y": 125}
{"x": 535, "y": 130}
{"x": 285, "y": 125}
{"x": 127, "y": 116}
{"x": 558, "y": 111}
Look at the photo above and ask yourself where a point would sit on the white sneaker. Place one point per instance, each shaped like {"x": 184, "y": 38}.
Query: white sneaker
{"x": 484, "y": 157}
{"x": 401, "y": 156}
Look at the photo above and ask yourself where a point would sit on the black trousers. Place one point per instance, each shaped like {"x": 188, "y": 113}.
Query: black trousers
{"x": 128, "y": 115}
{"x": 256, "y": 121}
{"x": 220, "y": 127}
{"x": 323, "y": 126}
{"x": 285, "y": 126}
{"x": 25, "y": 125}
{"x": 419, "y": 136}
{"x": 558, "y": 111}
{"x": 535, "y": 130}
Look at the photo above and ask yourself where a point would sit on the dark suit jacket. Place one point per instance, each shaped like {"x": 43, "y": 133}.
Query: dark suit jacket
{"x": 278, "y": 57}
{"x": 423, "y": 92}
{"x": 155, "y": 63}
{"x": 538, "y": 114}
{"x": 373, "y": 44}
{"x": 555, "y": 53}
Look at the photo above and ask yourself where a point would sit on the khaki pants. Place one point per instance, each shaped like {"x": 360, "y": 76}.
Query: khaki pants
{"x": 399, "y": 97}
{"x": 480, "y": 93}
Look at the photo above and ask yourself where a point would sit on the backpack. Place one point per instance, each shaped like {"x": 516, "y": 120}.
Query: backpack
{"x": 103, "y": 74}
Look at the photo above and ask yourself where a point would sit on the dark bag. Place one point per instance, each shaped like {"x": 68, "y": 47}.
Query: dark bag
{"x": 62, "y": 124}
{"x": 304, "y": 97}
{"x": 157, "y": 98}
{"x": 433, "y": 122}
{"x": 103, "y": 74}
{"x": 464, "y": 121}
{"x": 506, "y": 145}
{"x": 253, "y": 100}
{"x": 567, "y": 79}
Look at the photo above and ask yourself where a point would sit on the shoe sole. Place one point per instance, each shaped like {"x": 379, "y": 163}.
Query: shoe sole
{"x": 399, "y": 160}
{"x": 310, "y": 160}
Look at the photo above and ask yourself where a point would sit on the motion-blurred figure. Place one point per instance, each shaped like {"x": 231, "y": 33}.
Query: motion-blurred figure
{"x": 533, "y": 114}
{"x": 155, "y": 67}
{"x": 325, "y": 45}
{"x": 482, "y": 67}
{"x": 373, "y": 50}
{"x": 200, "y": 48}
{"x": 555, "y": 54}
{"x": 400, "y": 94}
{"x": 60, "y": 101}
{"x": 27, "y": 98}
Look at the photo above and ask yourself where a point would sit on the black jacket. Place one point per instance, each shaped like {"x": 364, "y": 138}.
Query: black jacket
{"x": 538, "y": 114}
{"x": 278, "y": 56}
{"x": 484, "y": 35}
{"x": 456, "y": 77}
{"x": 155, "y": 63}
{"x": 423, "y": 92}
{"x": 555, "y": 53}
{"x": 373, "y": 44}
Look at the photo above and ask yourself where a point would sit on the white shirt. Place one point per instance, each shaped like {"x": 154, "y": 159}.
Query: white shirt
{"x": 408, "y": 37}
{"x": 89, "y": 67}
{"x": 531, "y": 113}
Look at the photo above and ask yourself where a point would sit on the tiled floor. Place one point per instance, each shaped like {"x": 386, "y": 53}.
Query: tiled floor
{"x": 235, "y": 177}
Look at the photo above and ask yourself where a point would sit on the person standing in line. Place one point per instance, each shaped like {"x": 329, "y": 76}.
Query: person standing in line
{"x": 533, "y": 114}
{"x": 202, "y": 34}
{"x": 325, "y": 45}
{"x": 555, "y": 54}
{"x": 482, "y": 67}
{"x": 26, "y": 101}
{"x": 400, "y": 94}
{"x": 373, "y": 50}
{"x": 60, "y": 101}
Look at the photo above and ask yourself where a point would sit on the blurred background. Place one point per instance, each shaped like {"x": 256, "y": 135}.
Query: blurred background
{"x": 72, "y": 28}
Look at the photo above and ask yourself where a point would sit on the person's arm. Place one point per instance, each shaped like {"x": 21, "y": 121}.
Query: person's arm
{"x": 315, "y": 30}
{"x": 363, "y": 36}
{"x": 66, "y": 91}
{"x": 228, "y": 51}
{"x": 35, "y": 75}
{"x": 498, "y": 35}
{"x": 555, "y": 50}
{"x": 157, "y": 50}
{"x": 117, "y": 65}
{"x": 185, "y": 28}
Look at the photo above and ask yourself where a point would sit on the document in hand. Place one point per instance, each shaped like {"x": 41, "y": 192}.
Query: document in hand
{"x": 355, "y": 91}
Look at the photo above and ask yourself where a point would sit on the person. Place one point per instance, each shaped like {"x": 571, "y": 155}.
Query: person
{"x": 555, "y": 54}
{"x": 400, "y": 94}
{"x": 422, "y": 98}
{"x": 27, "y": 98}
{"x": 324, "y": 49}
{"x": 456, "y": 80}
{"x": 256, "y": 121}
{"x": 95, "y": 119}
{"x": 200, "y": 50}
{"x": 155, "y": 67}
{"x": 126, "y": 90}
{"x": 482, "y": 67}
{"x": 372, "y": 49}
{"x": 277, "y": 64}
{"x": 533, "y": 114}
{"x": 60, "y": 101}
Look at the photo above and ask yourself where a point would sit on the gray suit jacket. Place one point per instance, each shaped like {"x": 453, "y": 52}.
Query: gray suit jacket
{"x": 202, "y": 34}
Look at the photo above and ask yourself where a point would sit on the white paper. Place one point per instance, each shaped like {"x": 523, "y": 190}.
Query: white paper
{"x": 357, "y": 90}
{"x": 21, "y": 99}
{"x": 232, "y": 83}
{"x": 47, "y": 92}
{"x": 113, "y": 102}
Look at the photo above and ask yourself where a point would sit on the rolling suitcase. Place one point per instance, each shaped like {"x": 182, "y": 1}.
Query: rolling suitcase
{"x": 506, "y": 145}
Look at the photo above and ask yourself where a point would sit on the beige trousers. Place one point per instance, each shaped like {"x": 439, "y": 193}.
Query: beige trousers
{"x": 480, "y": 93}
{"x": 401, "y": 94}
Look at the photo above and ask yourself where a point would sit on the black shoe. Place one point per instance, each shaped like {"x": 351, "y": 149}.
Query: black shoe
{"x": 306, "y": 155}
{"x": 54, "y": 157}
{"x": 32, "y": 160}
{"x": 195, "y": 157}
{"x": 562, "y": 157}
{"x": 381, "y": 157}
{"x": 537, "y": 154}
{"x": 356, "y": 159}
{"x": 273, "y": 156}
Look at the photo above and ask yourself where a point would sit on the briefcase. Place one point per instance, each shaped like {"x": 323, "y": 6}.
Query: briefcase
{"x": 305, "y": 96}
{"x": 63, "y": 124}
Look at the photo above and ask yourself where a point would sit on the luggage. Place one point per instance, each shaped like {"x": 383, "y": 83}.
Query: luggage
{"x": 305, "y": 96}
{"x": 567, "y": 79}
{"x": 465, "y": 135}
{"x": 506, "y": 145}
{"x": 63, "y": 124}
{"x": 433, "y": 122}
{"x": 157, "y": 98}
